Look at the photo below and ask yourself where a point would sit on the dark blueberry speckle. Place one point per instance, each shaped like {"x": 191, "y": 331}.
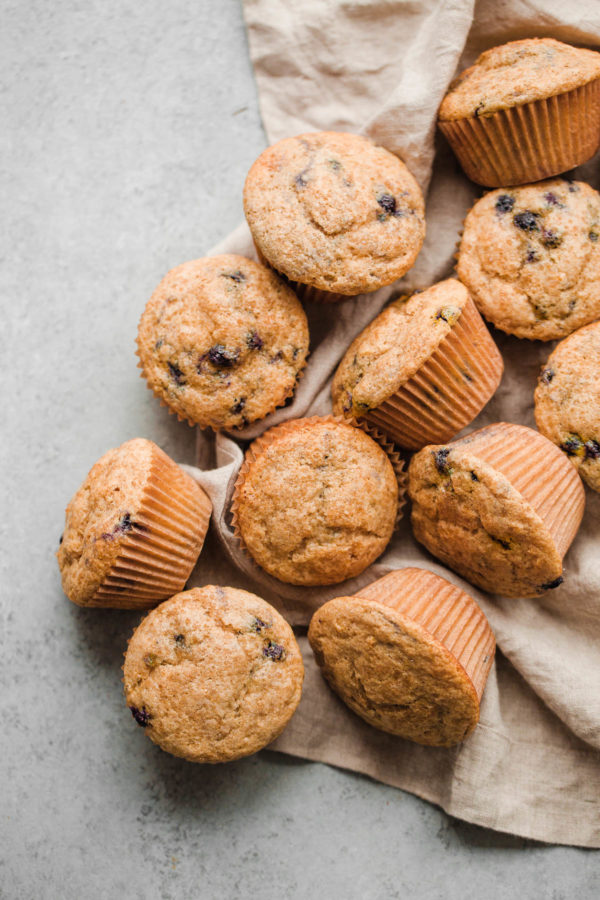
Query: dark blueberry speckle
{"x": 126, "y": 524}
{"x": 550, "y": 585}
{"x": 254, "y": 341}
{"x": 221, "y": 357}
{"x": 274, "y": 651}
{"x": 531, "y": 256}
{"x": 573, "y": 188}
{"x": 573, "y": 446}
{"x": 140, "y": 716}
{"x": 474, "y": 476}
{"x": 278, "y": 356}
{"x": 441, "y": 461}
{"x": 593, "y": 236}
{"x": 238, "y": 407}
{"x": 547, "y": 376}
{"x": 235, "y": 276}
{"x": 176, "y": 373}
{"x": 179, "y": 639}
{"x": 387, "y": 202}
{"x": 527, "y": 221}
{"x": 257, "y": 625}
{"x": 551, "y": 239}
{"x": 592, "y": 450}
{"x": 552, "y": 200}
{"x": 300, "y": 181}
{"x": 504, "y": 203}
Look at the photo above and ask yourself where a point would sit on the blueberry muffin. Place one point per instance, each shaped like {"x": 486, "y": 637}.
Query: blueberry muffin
{"x": 222, "y": 341}
{"x": 567, "y": 401}
{"x": 410, "y": 654}
{"x": 334, "y": 213}
{"x": 524, "y": 111}
{"x": 500, "y": 506}
{"x": 213, "y": 674}
{"x": 316, "y": 501}
{"x": 422, "y": 370}
{"x": 133, "y": 531}
{"x": 530, "y": 256}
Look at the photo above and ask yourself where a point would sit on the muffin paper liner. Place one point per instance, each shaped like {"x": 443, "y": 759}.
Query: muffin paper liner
{"x": 157, "y": 556}
{"x": 305, "y": 292}
{"x": 539, "y": 471}
{"x": 231, "y": 428}
{"x": 530, "y": 142}
{"x": 448, "y": 390}
{"x": 446, "y": 612}
{"x": 260, "y": 444}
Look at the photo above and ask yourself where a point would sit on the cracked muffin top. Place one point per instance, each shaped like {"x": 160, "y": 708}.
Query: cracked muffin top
{"x": 530, "y": 256}
{"x": 334, "y": 211}
{"x": 517, "y": 73}
{"x": 316, "y": 501}
{"x": 499, "y": 506}
{"x": 567, "y": 401}
{"x": 213, "y": 674}
{"x": 395, "y": 345}
{"x": 222, "y": 341}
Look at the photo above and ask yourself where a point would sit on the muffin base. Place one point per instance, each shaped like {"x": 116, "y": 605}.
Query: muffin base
{"x": 448, "y": 391}
{"x": 545, "y": 478}
{"x": 410, "y": 654}
{"x": 157, "y": 556}
{"x": 530, "y": 142}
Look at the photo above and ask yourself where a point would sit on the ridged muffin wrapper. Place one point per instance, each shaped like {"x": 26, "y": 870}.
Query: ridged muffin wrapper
{"x": 260, "y": 444}
{"x": 304, "y": 292}
{"x": 539, "y": 471}
{"x": 231, "y": 428}
{"x": 157, "y": 555}
{"x": 439, "y": 400}
{"x": 447, "y": 613}
{"x": 530, "y": 142}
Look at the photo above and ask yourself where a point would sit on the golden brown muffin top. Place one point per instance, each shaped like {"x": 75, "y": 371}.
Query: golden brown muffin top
{"x": 334, "y": 211}
{"x": 392, "y": 672}
{"x": 222, "y": 340}
{"x": 213, "y": 674}
{"x": 470, "y": 515}
{"x": 530, "y": 256}
{"x": 517, "y": 73}
{"x": 567, "y": 401}
{"x": 100, "y": 516}
{"x": 316, "y": 501}
{"x": 395, "y": 345}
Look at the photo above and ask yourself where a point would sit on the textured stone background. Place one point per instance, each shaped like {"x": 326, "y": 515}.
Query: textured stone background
{"x": 128, "y": 128}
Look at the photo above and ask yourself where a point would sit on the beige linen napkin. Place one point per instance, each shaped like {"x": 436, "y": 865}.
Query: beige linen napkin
{"x": 532, "y": 766}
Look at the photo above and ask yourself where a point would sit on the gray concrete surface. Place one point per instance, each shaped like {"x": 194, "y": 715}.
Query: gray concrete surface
{"x": 127, "y": 130}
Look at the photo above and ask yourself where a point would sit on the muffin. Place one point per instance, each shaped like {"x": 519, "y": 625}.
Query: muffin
{"x": 567, "y": 401}
{"x": 530, "y": 257}
{"x": 410, "y": 654}
{"x": 524, "y": 111}
{"x": 213, "y": 674}
{"x": 500, "y": 507}
{"x": 133, "y": 530}
{"x": 335, "y": 214}
{"x": 422, "y": 370}
{"x": 222, "y": 341}
{"x": 316, "y": 501}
